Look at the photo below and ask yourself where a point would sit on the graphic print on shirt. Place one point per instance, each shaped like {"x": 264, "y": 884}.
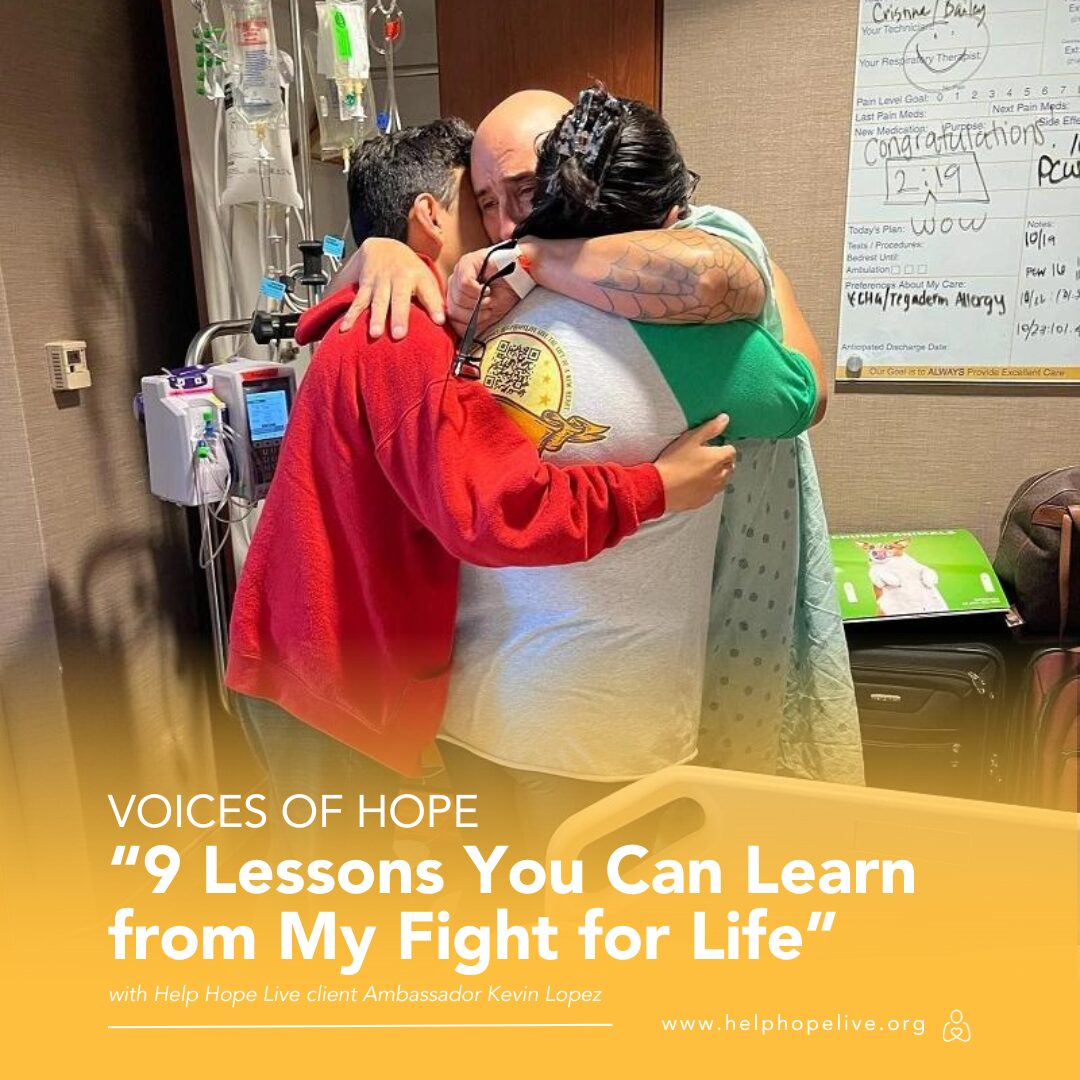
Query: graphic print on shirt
{"x": 527, "y": 369}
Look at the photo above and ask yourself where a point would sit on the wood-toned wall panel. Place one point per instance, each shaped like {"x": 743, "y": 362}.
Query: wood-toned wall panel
{"x": 490, "y": 48}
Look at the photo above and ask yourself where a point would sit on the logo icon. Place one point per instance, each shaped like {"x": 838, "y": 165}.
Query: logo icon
{"x": 527, "y": 370}
{"x": 956, "y": 1028}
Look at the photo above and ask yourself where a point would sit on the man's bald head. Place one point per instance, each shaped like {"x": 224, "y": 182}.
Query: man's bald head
{"x": 504, "y": 156}
{"x": 524, "y": 115}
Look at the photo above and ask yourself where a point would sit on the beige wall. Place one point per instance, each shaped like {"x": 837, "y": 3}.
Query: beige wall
{"x": 759, "y": 93}
{"x": 38, "y": 785}
{"x": 97, "y": 581}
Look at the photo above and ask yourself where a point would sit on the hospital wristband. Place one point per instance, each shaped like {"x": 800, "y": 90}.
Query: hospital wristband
{"x": 519, "y": 278}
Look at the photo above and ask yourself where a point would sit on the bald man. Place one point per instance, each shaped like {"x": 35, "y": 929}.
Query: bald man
{"x": 778, "y": 691}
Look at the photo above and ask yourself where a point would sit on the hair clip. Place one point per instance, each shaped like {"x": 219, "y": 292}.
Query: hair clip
{"x": 588, "y": 131}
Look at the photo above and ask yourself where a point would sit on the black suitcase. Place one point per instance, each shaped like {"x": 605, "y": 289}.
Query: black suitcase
{"x": 932, "y": 718}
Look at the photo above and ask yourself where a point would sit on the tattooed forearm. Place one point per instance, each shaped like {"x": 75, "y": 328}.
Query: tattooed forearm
{"x": 666, "y": 275}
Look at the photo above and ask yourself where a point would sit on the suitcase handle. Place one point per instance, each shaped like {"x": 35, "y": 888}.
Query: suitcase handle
{"x": 1065, "y": 518}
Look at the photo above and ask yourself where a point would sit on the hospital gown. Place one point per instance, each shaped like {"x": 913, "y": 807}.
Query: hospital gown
{"x": 778, "y": 696}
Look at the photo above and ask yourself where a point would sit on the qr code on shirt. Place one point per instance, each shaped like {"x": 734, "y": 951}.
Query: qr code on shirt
{"x": 511, "y": 368}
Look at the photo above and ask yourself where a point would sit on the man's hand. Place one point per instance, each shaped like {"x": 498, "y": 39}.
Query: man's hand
{"x": 389, "y": 275}
{"x": 694, "y": 472}
{"x": 464, "y": 291}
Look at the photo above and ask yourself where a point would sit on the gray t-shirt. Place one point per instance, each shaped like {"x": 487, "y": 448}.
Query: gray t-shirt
{"x": 594, "y": 670}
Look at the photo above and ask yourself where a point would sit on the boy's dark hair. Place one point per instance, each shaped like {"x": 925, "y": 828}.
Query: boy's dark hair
{"x": 388, "y": 172}
{"x": 610, "y": 165}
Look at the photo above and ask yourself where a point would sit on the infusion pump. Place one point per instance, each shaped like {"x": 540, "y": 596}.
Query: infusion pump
{"x": 213, "y": 433}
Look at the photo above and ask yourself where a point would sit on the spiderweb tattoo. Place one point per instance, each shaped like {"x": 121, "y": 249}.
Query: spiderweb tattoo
{"x": 681, "y": 276}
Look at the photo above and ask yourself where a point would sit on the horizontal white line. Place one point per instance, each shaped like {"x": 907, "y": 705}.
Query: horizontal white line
{"x": 262, "y": 1027}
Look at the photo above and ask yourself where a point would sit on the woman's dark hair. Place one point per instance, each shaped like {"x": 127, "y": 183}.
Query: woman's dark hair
{"x": 611, "y": 165}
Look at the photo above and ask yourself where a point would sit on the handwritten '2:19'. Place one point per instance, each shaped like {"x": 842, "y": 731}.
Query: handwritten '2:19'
{"x": 935, "y": 178}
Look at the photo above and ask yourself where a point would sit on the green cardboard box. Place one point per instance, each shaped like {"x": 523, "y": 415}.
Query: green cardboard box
{"x": 911, "y": 575}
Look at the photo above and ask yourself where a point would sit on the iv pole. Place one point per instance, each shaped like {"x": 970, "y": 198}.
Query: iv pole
{"x": 200, "y": 346}
{"x": 302, "y": 116}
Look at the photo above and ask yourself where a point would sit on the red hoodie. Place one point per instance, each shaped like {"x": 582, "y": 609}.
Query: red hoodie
{"x": 391, "y": 472}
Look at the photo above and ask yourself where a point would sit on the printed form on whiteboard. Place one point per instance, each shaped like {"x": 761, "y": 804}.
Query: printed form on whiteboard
{"x": 962, "y": 253}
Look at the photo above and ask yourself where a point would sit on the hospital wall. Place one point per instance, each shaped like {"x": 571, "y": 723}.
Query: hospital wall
{"x": 99, "y": 653}
{"x": 759, "y": 93}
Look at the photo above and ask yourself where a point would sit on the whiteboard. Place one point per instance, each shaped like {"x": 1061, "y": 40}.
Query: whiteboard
{"x": 962, "y": 244}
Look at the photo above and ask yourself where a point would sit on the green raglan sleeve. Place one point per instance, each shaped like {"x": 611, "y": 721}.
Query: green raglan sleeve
{"x": 738, "y": 368}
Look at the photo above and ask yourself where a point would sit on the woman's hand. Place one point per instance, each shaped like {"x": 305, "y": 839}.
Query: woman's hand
{"x": 389, "y": 274}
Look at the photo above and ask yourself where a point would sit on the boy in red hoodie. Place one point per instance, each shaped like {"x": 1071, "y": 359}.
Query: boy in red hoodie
{"x": 391, "y": 472}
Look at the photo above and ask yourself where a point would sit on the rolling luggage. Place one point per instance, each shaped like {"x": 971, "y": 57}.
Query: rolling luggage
{"x": 1049, "y": 718}
{"x": 931, "y": 719}
{"x": 1038, "y": 556}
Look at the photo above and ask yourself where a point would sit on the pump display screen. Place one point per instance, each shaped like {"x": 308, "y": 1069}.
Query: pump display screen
{"x": 268, "y": 411}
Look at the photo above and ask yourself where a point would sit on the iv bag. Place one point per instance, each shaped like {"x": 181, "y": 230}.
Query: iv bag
{"x": 341, "y": 127}
{"x": 254, "y": 73}
{"x": 246, "y": 152}
{"x": 343, "y": 44}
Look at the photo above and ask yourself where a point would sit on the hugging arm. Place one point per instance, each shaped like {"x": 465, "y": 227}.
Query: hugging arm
{"x": 388, "y": 274}
{"x": 662, "y": 275}
{"x": 769, "y": 390}
{"x": 470, "y": 475}
{"x": 782, "y": 315}
{"x": 473, "y": 478}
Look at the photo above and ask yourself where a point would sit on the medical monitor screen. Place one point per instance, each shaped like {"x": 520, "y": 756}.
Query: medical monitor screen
{"x": 268, "y": 410}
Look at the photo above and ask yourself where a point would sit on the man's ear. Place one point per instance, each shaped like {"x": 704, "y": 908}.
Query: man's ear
{"x": 426, "y": 224}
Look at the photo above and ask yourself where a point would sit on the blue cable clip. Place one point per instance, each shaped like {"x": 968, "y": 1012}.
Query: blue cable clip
{"x": 272, "y": 289}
